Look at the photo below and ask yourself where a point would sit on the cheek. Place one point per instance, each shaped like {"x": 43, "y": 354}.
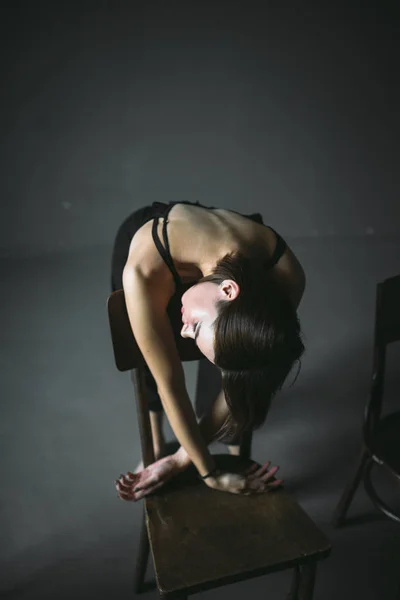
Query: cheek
{"x": 207, "y": 351}
{"x": 189, "y": 300}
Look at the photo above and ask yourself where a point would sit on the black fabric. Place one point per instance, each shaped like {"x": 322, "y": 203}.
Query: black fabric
{"x": 165, "y": 252}
{"x": 122, "y": 241}
{"x": 120, "y": 252}
{"x": 279, "y": 250}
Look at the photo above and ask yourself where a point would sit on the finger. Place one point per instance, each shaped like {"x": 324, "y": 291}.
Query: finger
{"x": 261, "y": 487}
{"x": 126, "y": 496}
{"x": 261, "y": 470}
{"x": 254, "y": 485}
{"x": 253, "y": 489}
{"x": 142, "y": 479}
{"x": 266, "y": 487}
{"x": 270, "y": 474}
{"x": 258, "y": 483}
{"x": 125, "y": 485}
{"x": 133, "y": 476}
{"x": 251, "y": 469}
{"x": 122, "y": 486}
{"x": 148, "y": 490}
{"x": 126, "y": 482}
{"x": 147, "y": 483}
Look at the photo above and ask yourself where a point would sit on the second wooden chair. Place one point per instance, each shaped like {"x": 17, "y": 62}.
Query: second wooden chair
{"x": 381, "y": 435}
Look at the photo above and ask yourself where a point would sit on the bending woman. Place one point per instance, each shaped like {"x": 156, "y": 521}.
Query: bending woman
{"x": 241, "y": 310}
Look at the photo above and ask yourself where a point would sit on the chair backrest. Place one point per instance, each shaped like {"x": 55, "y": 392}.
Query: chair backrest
{"x": 387, "y": 319}
{"x": 387, "y": 330}
{"x": 127, "y": 354}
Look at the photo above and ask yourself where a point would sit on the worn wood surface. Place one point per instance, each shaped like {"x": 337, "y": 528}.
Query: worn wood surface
{"x": 202, "y": 538}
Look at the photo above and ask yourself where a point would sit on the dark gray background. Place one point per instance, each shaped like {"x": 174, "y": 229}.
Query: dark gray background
{"x": 284, "y": 109}
{"x": 109, "y": 105}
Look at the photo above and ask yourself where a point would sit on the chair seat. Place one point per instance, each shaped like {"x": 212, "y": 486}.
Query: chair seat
{"x": 386, "y": 442}
{"x": 202, "y": 538}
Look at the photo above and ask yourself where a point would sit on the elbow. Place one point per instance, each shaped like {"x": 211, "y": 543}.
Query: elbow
{"x": 129, "y": 275}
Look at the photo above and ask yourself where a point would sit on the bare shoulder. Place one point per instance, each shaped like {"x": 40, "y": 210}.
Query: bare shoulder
{"x": 146, "y": 267}
{"x": 290, "y": 273}
{"x": 145, "y": 258}
{"x": 146, "y": 302}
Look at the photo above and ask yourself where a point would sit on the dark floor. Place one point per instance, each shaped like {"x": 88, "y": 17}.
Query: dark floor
{"x": 69, "y": 428}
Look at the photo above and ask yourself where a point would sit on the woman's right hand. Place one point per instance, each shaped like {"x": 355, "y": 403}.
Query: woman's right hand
{"x": 255, "y": 479}
{"x": 134, "y": 486}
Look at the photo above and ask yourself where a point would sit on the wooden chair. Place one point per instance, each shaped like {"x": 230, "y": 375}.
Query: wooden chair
{"x": 202, "y": 538}
{"x": 381, "y": 436}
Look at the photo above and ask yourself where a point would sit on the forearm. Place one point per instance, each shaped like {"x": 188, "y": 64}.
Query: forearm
{"x": 209, "y": 425}
{"x": 191, "y": 435}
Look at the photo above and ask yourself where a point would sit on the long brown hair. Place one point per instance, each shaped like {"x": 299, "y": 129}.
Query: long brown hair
{"x": 257, "y": 340}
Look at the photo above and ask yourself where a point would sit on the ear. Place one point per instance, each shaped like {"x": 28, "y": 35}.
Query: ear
{"x": 229, "y": 289}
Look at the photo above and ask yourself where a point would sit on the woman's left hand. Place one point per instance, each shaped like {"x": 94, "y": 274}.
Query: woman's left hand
{"x": 255, "y": 479}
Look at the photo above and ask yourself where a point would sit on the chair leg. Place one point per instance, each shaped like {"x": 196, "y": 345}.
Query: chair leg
{"x": 377, "y": 501}
{"x": 245, "y": 444}
{"x": 347, "y": 496}
{"x": 294, "y": 588}
{"x": 142, "y": 557}
{"x": 307, "y": 581}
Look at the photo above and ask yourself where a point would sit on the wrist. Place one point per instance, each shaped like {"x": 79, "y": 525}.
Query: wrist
{"x": 209, "y": 470}
{"x": 210, "y": 475}
{"x": 182, "y": 459}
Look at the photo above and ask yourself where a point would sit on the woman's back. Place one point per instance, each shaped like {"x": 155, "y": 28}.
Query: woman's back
{"x": 198, "y": 237}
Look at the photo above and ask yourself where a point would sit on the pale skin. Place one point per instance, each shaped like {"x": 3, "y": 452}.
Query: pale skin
{"x": 195, "y": 245}
{"x": 198, "y": 316}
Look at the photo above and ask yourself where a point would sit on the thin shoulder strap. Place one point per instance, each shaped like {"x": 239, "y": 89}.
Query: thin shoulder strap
{"x": 279, "y": 250}
{"x": 165, "y": 252}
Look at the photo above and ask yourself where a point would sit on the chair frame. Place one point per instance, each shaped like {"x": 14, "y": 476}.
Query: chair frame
{"x": 386, "y": 331}
{"x": 128, "y": 357}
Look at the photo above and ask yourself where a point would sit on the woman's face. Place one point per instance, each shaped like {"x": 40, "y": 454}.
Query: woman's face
{"x": 199, "y": 312}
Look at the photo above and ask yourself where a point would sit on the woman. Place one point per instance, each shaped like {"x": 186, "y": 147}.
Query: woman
{"x": 241, "y": 312}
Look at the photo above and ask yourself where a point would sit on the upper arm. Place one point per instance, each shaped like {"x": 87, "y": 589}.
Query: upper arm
{"x": 146, "y": 301}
